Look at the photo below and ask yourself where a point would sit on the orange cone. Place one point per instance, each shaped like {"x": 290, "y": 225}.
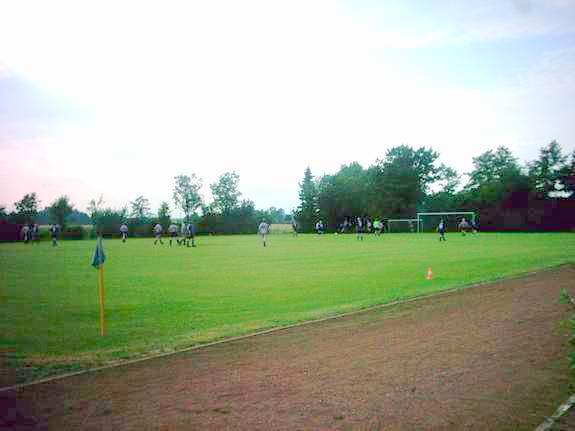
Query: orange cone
{"x": 429, "y": 273}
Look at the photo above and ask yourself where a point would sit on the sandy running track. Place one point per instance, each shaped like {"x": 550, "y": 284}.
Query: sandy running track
{"x": 491, "y": 357}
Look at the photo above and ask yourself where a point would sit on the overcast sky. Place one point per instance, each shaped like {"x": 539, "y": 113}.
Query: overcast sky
{"x": 116, "y": 98}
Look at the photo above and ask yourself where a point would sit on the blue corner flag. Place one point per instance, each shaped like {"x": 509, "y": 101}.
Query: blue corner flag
{"x": 99, "y": 256}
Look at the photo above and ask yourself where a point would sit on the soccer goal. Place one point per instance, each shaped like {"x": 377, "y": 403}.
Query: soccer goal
{"x": 428, "y": 222}
{"x": 402, "y": 225}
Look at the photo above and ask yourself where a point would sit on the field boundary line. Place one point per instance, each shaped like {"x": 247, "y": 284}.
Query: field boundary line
{"x": 549, "y": 422}
{"x": 286, "y": 327}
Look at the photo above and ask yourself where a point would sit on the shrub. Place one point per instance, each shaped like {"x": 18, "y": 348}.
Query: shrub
{"x": 73, "y": 232}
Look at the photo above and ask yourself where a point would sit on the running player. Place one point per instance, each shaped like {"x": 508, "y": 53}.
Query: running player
{"x": 158, "y": 233}
{"x": 263, "y": 230}
{"x": 294, "y": 227}
{"x": 124, "y": 232}
{"x": 173, "y": 231}
{"x": 319, "y": 227}
{"x": 463, "y": 226}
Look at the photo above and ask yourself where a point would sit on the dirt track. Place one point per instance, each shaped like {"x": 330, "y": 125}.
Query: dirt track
{"x": 493, "y": 357}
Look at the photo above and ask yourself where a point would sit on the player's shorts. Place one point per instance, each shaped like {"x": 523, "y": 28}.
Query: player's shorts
{"x": 158, "y": 235}
{"x": 173, "y": 234}
{"x": 359, "y": 229}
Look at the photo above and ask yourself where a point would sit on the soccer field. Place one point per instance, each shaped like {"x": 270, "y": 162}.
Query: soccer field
{"x": 160, "y": 298}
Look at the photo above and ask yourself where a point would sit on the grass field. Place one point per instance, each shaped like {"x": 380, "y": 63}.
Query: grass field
{"x": 160, "y": 298}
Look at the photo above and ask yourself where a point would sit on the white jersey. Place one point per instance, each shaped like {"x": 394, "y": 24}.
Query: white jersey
{"x": 173, "y": 228}
{"x": 263, "y": 228}
{"x": 124, "y": 228}
{"x": 158, "y": 229}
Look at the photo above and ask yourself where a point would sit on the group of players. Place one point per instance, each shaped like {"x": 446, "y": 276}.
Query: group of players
{"x": 464, "y": 227}
{"x": 188, "y": 231}
{"x": 31, "y": 233}
{"x": 362, "y": 225}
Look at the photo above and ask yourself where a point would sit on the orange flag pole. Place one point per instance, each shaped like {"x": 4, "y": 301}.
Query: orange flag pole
{"x": 101, "y": 290}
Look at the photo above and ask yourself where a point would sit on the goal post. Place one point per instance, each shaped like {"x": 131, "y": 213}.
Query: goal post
{"x": 428, "y": 221}
{"x": 402, "y": 225}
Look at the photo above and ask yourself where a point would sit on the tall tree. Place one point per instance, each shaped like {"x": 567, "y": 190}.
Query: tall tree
{"x": 343, "y": 194}
{"x": 495, "y": 175}
{"x": 27, "y": 207}
{"x": 403, "y": 178}
{"x": 60, "y": 209}
{"x": 187, "y": 194}
{"x": 140, "y": 209}
{"x": 225, "y": 193}
{"x": 445, "y": 198}
{"x": 94, "y": 209}
{"x": 164, "y": 216}
{"x": 493, "y": 166}
{"x": 307, "y": 210}
{"x": 569, "y": 176}
{"x": 546, "y": 173}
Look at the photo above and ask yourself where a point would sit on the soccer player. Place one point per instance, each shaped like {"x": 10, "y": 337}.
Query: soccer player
{"x": 36, "y": 233}
{"x": 54, "y": 231}
{"x": 345, "y": 226}
{"x": 25, "y": 233}
{"x": 474, "y": 227}
{"x": 319, "y": 227}
{"x": 359, "y": 228}
{"x": 124, "y": 232}
{"x": 158, "y": 233}
{"x": 190, "y": 234}
{"x": 377, "y": 226}
{"x": 441, "y": 230}
{"x": 173, "y": 230}
{"x": 263, "y": 230}
{"x": 463, "y": 226}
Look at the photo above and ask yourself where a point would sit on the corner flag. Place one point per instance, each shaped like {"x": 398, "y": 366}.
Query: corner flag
{"x": 99, "y": 256}
{"x": 98, "y": 263}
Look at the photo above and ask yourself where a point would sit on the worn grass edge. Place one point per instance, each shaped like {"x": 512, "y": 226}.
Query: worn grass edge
{"x": 549, "y": 422}
{"x": 405, "y": 300}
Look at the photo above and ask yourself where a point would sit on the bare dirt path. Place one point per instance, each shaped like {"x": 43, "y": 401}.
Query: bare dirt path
{"x": 492, "y": 357}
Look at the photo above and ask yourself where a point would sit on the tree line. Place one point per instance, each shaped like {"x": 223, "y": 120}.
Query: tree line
{"x": 227, "y": 213}
{"x": 507, "y": 195}
{"x": 538, "y": 195}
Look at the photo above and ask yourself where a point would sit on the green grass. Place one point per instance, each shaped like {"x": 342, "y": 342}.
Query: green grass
{"x": 160, "y": 298}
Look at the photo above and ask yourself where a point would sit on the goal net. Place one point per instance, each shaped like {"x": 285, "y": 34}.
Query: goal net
{"x": 428, "y": 222}
{"x": 408, "y": 225}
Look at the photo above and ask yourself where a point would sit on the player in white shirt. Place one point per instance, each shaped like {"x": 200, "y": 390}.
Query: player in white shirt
{"x": 158, "y": 233}
{"x": 124, "y": 232}
{"x": 173, "y": 231}
{"x": 263, "y": 230}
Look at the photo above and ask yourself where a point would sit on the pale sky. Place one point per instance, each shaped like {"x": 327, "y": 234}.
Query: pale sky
{"x": 115, "y": 98}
